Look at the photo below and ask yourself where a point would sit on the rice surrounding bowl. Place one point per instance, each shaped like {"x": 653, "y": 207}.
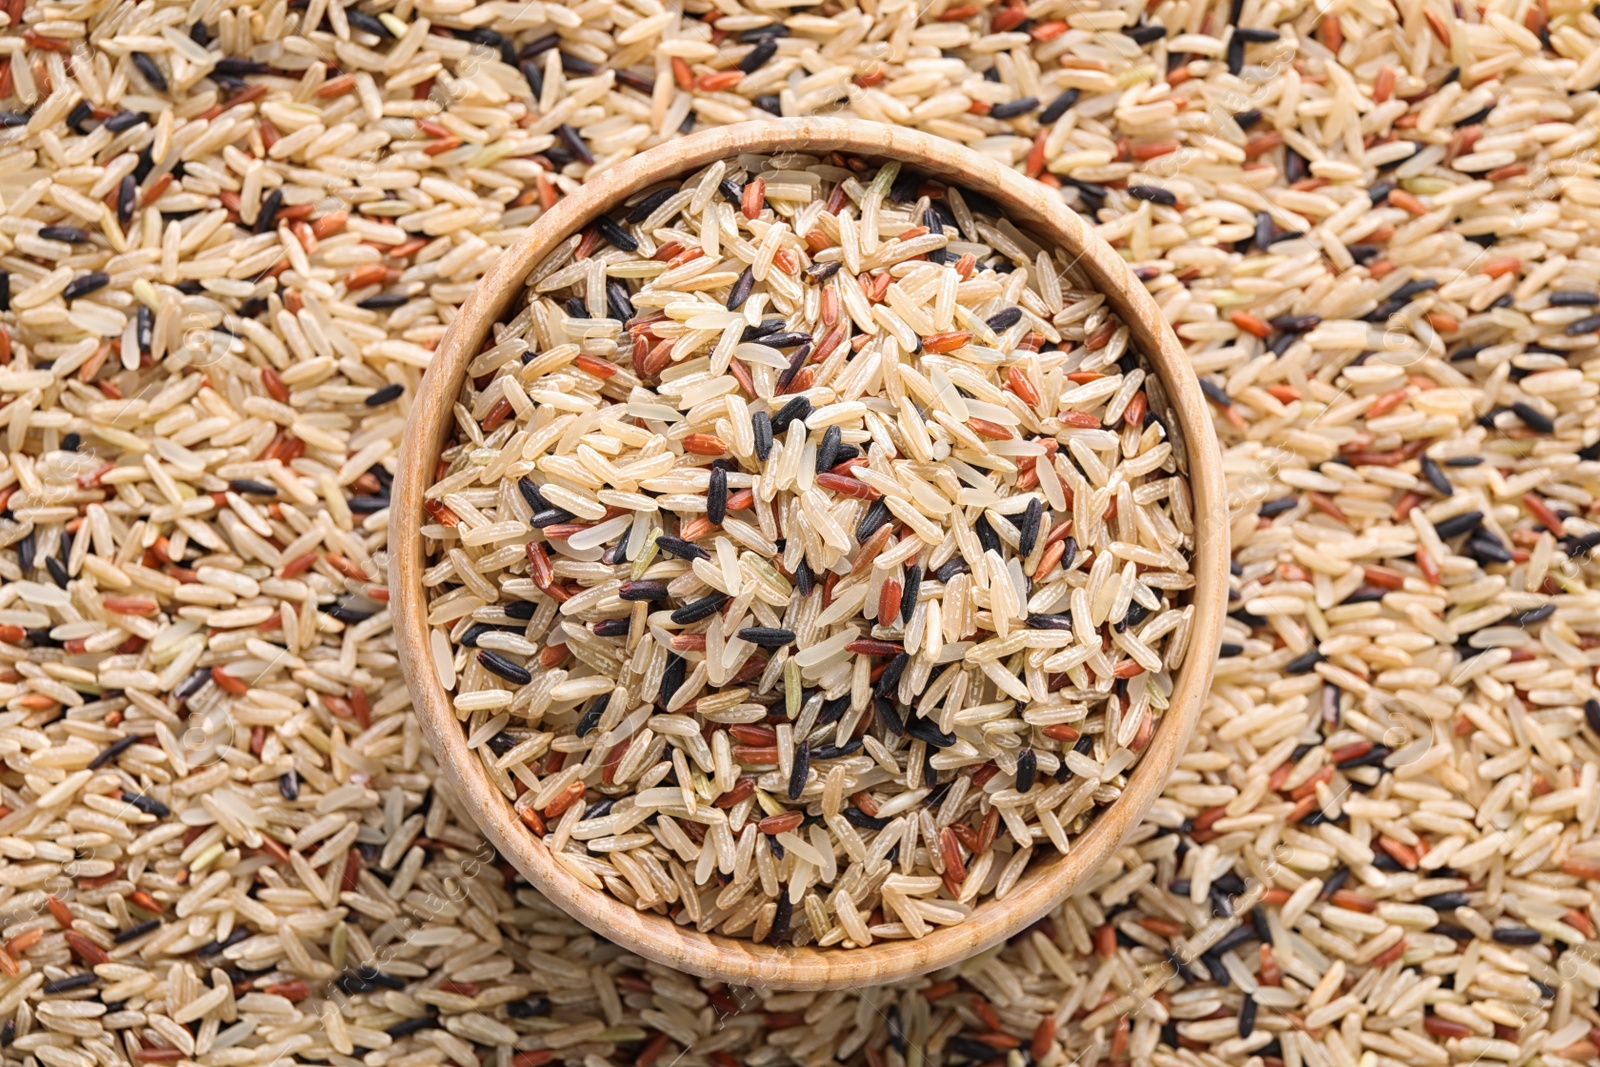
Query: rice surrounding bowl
{"x": 810, "y": 552}
{"x": 1365, "y": 221}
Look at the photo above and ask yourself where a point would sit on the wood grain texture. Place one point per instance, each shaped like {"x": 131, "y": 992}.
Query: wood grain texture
{"x": 1038, "y": 211}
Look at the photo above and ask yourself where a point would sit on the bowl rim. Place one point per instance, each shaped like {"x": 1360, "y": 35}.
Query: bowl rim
{"x": 1050, "y": 879}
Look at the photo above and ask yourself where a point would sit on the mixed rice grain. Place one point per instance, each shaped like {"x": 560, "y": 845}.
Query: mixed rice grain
{"x": 809, "y": 554}
{"x": 1369, "y": 223}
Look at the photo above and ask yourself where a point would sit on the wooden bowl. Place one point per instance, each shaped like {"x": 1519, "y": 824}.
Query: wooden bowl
{"x": 1049, "y": 880}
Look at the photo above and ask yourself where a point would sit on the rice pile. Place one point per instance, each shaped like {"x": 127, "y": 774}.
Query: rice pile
{"x": 795, "y": 568}
{"x": 222, "y": 839}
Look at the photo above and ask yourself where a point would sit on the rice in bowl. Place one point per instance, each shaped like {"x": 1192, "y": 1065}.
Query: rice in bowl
{"x": 809, "y": 554}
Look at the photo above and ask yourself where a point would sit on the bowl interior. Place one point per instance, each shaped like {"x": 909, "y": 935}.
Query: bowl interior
{"x": 1038, "y": 211}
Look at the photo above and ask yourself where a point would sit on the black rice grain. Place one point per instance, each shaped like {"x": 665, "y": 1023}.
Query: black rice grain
{"x": 767, "y": 636}
{"x": 84, "y": 284}
{"x": 620, "y": 239}
{"x": 1059, "y": 106}
{"x": 150, "y": 71}
{"x": 696, "y": 610}
{"x": 1014, "y": 108}
{"x": 1028, "y": 531}
{"x": 761, "y": 426}
{"x": 798, "y": 408}
{"x": 717, "y": 496}
{"x": 497, "y": 664}
{"x": 1027, "y": 769}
